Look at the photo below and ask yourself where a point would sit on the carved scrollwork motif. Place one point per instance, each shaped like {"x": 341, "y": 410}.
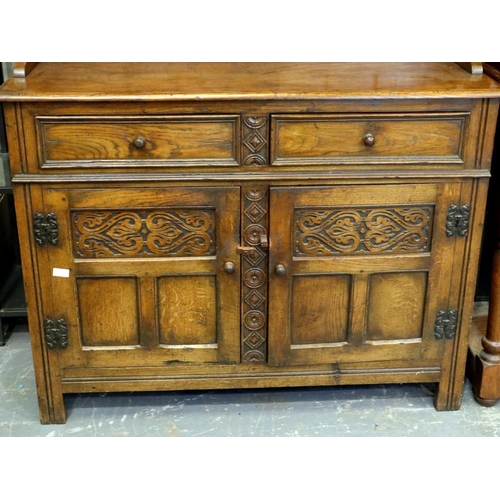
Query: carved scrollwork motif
{"x": 360, "y": 230}
{"x": 154, "y": 233}
{"x": 254, "y": 274}
{"x": 255, "y": 143}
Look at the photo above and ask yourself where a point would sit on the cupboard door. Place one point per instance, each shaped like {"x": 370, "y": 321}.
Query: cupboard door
{"x": 358, "y": 273}
{"x": 144, "y": 277}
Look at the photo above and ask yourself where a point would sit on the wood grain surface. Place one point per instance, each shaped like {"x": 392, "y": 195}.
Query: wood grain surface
{"x": 228, "y": 81}
{"x": 238, "y": 225}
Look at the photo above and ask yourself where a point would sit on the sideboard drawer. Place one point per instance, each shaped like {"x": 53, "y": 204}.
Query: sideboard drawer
{"x": 415, "y": 138}
{"x": 80, "y": 141}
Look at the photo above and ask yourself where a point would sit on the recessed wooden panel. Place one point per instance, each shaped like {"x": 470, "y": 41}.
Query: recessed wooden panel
{"x": 109, "y": 313}
{"x": 341, "y": 139}
{"x": 169, "y": 232}
{"x": 173, "y": 140}
{"x": 320, "y": 309}
{"x": 396, "y": 306}
{"x": 187, "y": 308}
{"x": 347, "y": 230}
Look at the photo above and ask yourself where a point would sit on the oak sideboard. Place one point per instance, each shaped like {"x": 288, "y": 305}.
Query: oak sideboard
{"x": 248, "y": 225}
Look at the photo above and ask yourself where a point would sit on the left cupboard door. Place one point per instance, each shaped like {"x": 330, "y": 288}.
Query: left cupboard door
{"x": 140, "y": 276}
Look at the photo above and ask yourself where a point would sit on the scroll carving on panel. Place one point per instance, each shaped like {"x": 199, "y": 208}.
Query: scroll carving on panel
{"x": 330, "y": 231}
{"x": 151, "y": 233}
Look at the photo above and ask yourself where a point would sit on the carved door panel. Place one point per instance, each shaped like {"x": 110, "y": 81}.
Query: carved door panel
{"x": 358, "y": 273}
{"x": 139, "y": 276}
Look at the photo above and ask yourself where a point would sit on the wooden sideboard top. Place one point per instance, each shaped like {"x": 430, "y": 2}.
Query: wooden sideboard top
{"x": 248, "y": 81}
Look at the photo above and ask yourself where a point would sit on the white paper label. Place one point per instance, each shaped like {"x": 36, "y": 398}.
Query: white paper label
{"x": 60, "y": 273}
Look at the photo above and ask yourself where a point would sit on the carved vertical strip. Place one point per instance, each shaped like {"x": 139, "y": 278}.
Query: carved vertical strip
{"x": 254, "y": 278}
{"x": 255, "y": 140}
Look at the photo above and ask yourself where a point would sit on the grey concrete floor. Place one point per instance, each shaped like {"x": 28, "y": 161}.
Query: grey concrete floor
{"x": 380, "y": 410}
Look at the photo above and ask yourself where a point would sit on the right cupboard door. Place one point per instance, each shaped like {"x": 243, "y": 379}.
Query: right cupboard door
{"x": 359, "y": 273}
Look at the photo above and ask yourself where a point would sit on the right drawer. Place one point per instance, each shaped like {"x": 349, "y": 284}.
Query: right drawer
{"x": 327, "y": 139}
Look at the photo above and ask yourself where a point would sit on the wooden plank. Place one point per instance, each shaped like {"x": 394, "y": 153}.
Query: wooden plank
{"x": 249, "y": 81}
{"x": 148, "y": 312}
{"x": 359, "y": 306}
{"x": 360, "y": 264}
{"x": 249, "y": 381}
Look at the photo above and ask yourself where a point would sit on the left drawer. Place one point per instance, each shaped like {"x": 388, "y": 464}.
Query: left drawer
{"x": 136, "y": 141}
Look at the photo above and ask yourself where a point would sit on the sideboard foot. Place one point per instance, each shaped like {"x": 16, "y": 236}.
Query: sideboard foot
{"x": 486, "y": 402}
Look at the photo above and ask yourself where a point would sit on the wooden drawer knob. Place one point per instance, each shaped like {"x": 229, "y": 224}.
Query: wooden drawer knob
{"x": 229, "y": 267}
{"x": 139, "y": 142}
{"x": 280, "y": 270}
{"x": 369, "y": 140}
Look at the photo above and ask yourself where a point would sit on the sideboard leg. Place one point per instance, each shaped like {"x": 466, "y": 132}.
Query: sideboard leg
{"x": 486, "y": 365}
{"x": 449, "y": 390}
{"x": 53, "y": 412}
{"x": 443, "y": 401}
{"x": 486, "y": 377}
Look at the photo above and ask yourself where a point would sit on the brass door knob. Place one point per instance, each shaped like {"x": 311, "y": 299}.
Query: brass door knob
{"x": 369, "y": 140}
{"x": 139, "y": 142}
{"x": 280, "y": 270}
{"x": 229, "y": 267}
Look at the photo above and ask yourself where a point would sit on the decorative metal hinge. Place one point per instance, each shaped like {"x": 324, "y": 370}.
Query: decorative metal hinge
{"x": 446, "y": 324}
{"x": 457, "y": 221}
{"x": 46, "y": 229}
{"x": 56, "y": 333}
